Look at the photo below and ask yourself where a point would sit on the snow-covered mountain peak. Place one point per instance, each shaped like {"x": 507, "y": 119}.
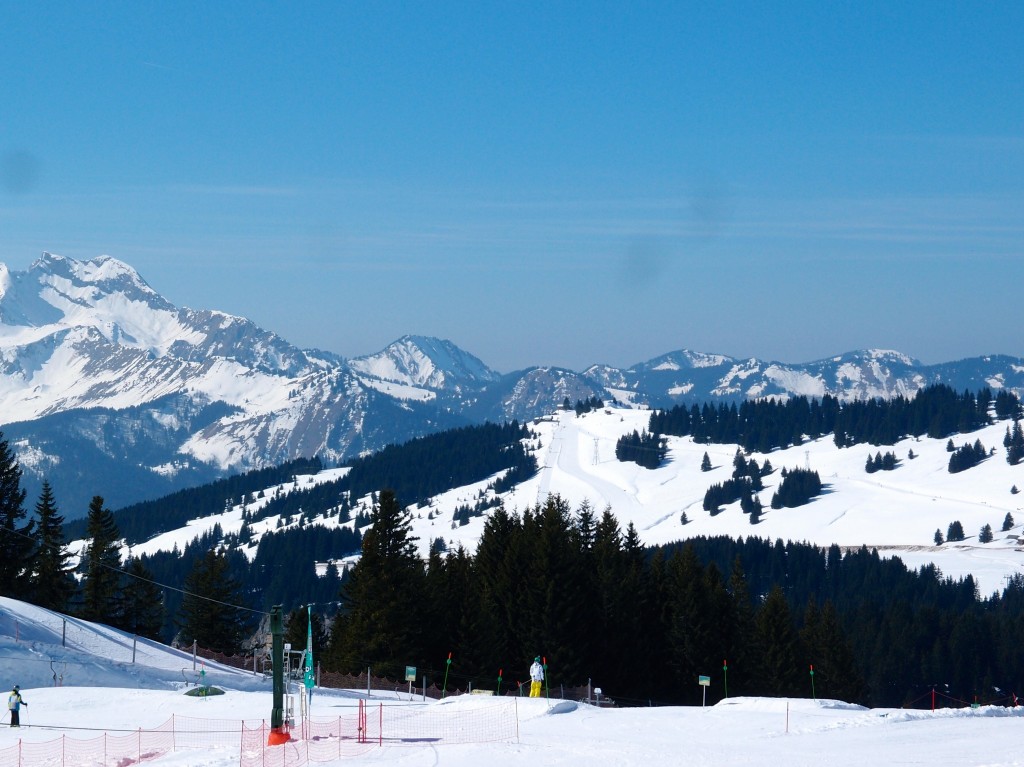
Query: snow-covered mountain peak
{"x": 686, "y": 359}
{"x": 434, "y": 363}
{"x": 94, "y": 280}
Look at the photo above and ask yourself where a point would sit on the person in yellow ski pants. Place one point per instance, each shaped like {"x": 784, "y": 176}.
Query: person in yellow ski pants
{"x": 536, "y": 677}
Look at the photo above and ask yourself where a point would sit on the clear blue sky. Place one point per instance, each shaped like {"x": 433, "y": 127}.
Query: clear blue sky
{"x": 541, "y": 183}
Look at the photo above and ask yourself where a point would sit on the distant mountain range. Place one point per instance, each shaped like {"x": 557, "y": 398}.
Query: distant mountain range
{"x": 107, "y": 388}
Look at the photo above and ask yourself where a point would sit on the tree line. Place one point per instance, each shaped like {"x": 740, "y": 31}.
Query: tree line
{"x": 936, "y": 411}
{"x": 643, "y": 624}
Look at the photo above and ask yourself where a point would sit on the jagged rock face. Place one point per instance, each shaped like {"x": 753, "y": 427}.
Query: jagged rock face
{"x": 187, "y": 395}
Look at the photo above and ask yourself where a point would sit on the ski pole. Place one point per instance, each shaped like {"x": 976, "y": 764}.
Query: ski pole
{"x": 547, "y": 690}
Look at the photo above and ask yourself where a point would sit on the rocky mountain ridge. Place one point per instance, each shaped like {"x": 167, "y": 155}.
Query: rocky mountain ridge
{"x": 107, "y": 388}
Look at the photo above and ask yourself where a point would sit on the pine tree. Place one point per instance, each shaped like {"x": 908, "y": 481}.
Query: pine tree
{"x": 143, "y": 611}
{"x": 938, "y": 537}
{"x": 53, "y": 583}
{"x": 756, "y": 509}
{"x": 705, "y": 464}
{"x": 381, "y": 600}
{"x": 955, "y": 532}
{"x": 830, "y": 653}
{"x": 1007, "y": 522}
{"x": 212, "y": 614}
{"x": 557, "y": 591}
{"x": 101, "y": 566}
{"x": 16, "y": 540}
{"x": 692, "y": 621}
{"x": 985, "y": 536}
{"x": 781, "y": 669}
{"x": 743, "y": 651}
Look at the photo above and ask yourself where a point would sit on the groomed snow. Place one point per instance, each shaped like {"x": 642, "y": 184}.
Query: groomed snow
{"x": 104, "y": 692}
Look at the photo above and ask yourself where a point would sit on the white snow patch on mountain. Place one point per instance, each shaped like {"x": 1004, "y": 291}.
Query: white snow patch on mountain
{"x": 400, "y": 391}
{"x": 796, "y": 381}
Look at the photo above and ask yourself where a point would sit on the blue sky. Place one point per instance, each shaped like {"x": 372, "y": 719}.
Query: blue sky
{"x": 541, "y": 183}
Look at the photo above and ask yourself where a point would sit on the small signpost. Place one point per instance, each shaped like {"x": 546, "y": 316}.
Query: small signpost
{"x": 410, "y": 677}
{"x": 705, "y": 683}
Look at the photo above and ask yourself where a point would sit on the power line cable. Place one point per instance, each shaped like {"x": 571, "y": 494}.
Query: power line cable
{"x": 122, "y": 571}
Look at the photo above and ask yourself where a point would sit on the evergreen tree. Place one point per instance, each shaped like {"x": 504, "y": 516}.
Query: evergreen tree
{"x": 743, "y": 651}
{"x": 1007, "y": 522}
{"x": 212, "y": 614}
{"x": 143, "y": 611}
{"x": 1014, "y": 444}
{"x": 835, "y": 668}
{"x": 781, "y": 669}
{"x": 101, "y": 566}
{"x": 557, "y": 589}
{"x": 379, "y": 624}
{"x": 756, "y": 510}
{"x": 499, "y": 579}
{"x": 53, "y": 583}
{"x": 17, "y": 542}
{"x": 938, "y": 537}
{"x": 797, "y": 488}
{"x": 705, "y": 464}
{"x": 692, "y": 631}
{"x": 985, "y": 536}
{"x": 955, "y": 532}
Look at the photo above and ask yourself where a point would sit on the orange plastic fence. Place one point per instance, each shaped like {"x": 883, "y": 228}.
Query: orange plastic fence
{"x": 124, "y": 748}
{"x": 315, "y": 740}
{"x": 372, "y": 725}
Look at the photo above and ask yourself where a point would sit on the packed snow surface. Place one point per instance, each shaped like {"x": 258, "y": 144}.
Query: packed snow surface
{"x": 104, "y": 691}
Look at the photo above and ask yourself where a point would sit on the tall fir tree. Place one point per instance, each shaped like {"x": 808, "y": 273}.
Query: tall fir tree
{"x": 379, "y": 623}
{"x": 53, "y": 582}
{"x": 101, "y": 566}
{"x": 143, "y": 610}
{"x": 693, "y": 633}
{"x": 835, "y": 669}
{"x": 212, "y": 614}
{"x": 17, "y": 544}
{"x": 499, "y": 578}
{"x": 781, "y": 671}
{"x": 556, "y": 588}
{"x": 742, "y": 649}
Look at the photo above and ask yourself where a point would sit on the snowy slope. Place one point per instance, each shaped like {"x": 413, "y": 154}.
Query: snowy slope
{"x": 896, "y": 511}
{"x": 103, "y": 693}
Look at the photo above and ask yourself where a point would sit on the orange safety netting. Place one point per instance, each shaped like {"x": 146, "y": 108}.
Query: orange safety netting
{"x": 315, "y": 740}
{"x": 324, "y": 740}
{"x": 124, "y": 748}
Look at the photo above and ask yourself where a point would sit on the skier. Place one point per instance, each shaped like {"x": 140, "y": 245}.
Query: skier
{"x": 536, "y": 677}
{"x": 14, "y": 702}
